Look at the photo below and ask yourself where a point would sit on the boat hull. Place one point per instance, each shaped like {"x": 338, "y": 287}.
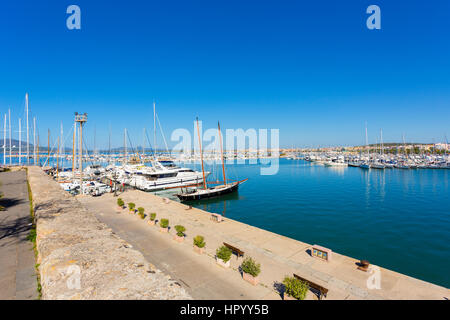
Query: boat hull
{"x": 207, "y": 195}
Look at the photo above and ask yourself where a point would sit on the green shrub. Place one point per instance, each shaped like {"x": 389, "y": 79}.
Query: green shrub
{"x": 164, "y": 223}
{"x": 180, "y": 230}
{"x": 152, "y": 216}
{"x": 120, "y": 202}
{"x": 199, "y": 241}
{"x": 131, "y": 206}
{"x": 223, "y": 253}
{"x": 295, "y": 287}
{"x": 141, "y": 212}
{"x": 251, "y": 267}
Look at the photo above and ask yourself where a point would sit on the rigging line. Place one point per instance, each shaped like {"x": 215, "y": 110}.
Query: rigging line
{"x": 150, "y": 145}
{"x": 162, "y": 133}
{"x": 50, "y": 153}
{"x": 131, "y": 144}
{"x": 63, "y": 148}
{"x": 87, "y": 152}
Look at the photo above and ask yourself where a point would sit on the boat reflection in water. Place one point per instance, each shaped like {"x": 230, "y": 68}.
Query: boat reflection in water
{"x": 215, "y": 204}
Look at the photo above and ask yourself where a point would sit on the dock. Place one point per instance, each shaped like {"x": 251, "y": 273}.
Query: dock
{"x": 278, "y": 255}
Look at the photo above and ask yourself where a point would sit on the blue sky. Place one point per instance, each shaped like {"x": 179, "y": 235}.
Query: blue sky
{"x": 310, "y": 68}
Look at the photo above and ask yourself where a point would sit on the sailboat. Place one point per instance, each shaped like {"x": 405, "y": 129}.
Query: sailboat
{"x": 210, "y": 192}
{"x": 365, "y": 164}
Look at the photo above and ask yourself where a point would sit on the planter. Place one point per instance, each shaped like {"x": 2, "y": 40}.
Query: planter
{"x": 249, "y": 278}
{"x": 223, "y": 264}
{"x": 163, "y": 230}
{"x": 151, "y": 222}
{"x": 199, "y": 250}
{"x": 288, "y": 297}
{"x": 178, "y": 239}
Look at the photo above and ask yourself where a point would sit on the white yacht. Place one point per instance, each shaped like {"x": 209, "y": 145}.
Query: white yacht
{"x": 94, "y": 169}
{"x": 336, "y": 162}
{"x": 161, "y": 175}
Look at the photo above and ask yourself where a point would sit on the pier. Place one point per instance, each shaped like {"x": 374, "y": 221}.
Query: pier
{"x": 278, "y": 255}
{"x": 197, "y": 274}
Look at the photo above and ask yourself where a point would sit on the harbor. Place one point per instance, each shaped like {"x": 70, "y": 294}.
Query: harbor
{"x": 328, "y": 197}
{"x": 225, "y": 159}
{"x": 278, "y": 255}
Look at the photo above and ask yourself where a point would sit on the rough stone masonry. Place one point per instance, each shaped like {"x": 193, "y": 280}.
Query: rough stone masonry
{"x": 81, "y": 258}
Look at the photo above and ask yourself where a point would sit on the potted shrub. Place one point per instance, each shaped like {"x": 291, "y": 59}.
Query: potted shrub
{"x": 223, "y": 255}
{"x": 120, "y": 204}
{"x": 152, "y": 219}
{"x": 141, "y": 211}
{"x": 164, "y": 225}
{"x": 179, "y": 237}
{"x": 199, "y": 244}
{"x": 295, "y": 289}
{"x": 131, "y": 207}
{"x": 250, "y": 270}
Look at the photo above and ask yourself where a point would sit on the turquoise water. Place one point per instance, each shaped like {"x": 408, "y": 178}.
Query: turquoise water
{"x": 397, "y": 219}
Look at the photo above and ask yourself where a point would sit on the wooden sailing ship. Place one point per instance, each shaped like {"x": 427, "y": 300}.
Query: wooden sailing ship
{"x": 212, "y": 191}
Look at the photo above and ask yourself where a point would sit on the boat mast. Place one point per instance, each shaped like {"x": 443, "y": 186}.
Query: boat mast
{"x": 404, "y": 144}
{"x": 201, "y": 155}
{"x": 74, "y": 137}
{"x": 28, "y": 135}
{"x": 4, "y": 142}
{"x": 381, "y": 137}
{"x": 34, "y": 140}
{"x": 154, "y": 127}
{"x": 221, "y": 154}
{"x": 10, "y": 143}
{"x": 143, "y": 144}
{"x": 57, "y": 160}
{"x": 61, "y": 152}
{"x": 367, "y": 144}
{"x": 20, "y": 141}
{"x": 38, "y": 162}
{"x": 48, "y": 146}
{"x": 95, "y": 141}
{"x": 125, "y": 144}
{"x": 109, "y": 144}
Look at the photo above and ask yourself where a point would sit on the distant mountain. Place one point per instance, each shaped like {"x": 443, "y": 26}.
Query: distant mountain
{"x": 15, "y": 146}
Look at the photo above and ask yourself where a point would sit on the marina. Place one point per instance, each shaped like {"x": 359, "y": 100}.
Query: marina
{"x": 358, "y": 212}
{"x": 198, "y": 274}
{"x": 241, "y": 152}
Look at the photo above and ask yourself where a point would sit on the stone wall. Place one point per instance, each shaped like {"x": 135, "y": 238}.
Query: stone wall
{"x": 81, "y": 258}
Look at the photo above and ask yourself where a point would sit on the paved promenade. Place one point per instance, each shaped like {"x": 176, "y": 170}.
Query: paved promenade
{"x": 278, "y": 255}
{"x": 17, "y": 263}
{"x": 199, "y": 275}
